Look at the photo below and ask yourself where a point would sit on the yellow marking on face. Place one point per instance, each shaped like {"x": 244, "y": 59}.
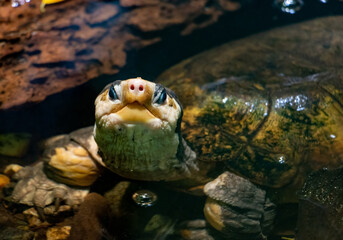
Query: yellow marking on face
{"x": 104, "y": 95}
{"x": 135, "y": 112}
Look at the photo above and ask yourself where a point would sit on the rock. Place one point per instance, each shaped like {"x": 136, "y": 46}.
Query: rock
{"x": 4, "y": 180}
{"x": 58, "y": 233}
{"x": 195, "y": 229}
{"x": 12, "y": 169}
{"x": 93, "y": 219}
{"x": 11, "y": 233}
{"x": 320, "y": 208}
{"x": 157, "y": 223}
{"x": 132, "y": 3}
{"x": 14, "y": 144}
{"x": 75, "y": 41}
{"x": 32, "y": 217}
{"x": 53, "y": 211}
{"x": 115, "y": 198}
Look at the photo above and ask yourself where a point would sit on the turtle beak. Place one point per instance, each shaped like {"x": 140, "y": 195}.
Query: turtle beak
{"x": 135, "y": 113}
{"x": 137, "y": 93}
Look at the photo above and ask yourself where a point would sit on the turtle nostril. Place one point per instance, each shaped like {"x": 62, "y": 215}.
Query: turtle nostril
{"x": 141, "y": 88}
{"x": 132, "y": 87}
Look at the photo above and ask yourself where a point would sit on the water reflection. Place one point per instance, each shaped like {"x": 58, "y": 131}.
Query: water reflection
{"x": 282, "y": 159}
{"x": 289, "y": 6}
{"x": 332, "y": 136}
{"x": 298, "y": 101}
{"x": 17, "y": 3}
{"x": 144, "y": 198}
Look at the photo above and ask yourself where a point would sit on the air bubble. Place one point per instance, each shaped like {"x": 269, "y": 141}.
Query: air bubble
{"x": 333, "y": 136}
{"x": 289, "y": 6}
{"x": 282, "y": 159}
{"x": 144, "y": 198}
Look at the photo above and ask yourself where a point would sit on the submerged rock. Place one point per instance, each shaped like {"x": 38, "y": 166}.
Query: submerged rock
{"x": 58, "y": 233}
{"x": 4, "y": 180}
{"x": 75, "y": 41}
{"x": 93, "y": 219}
{"x": 14, "y": 144}
{"x": 11, "y": 233}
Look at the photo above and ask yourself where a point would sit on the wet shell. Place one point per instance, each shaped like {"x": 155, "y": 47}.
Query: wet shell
{"x": 268, "y": 113}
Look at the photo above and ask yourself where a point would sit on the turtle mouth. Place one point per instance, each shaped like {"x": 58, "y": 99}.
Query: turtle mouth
{"x": 135, "y": 113}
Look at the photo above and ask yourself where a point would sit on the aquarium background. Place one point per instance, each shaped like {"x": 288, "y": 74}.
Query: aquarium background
{"x": 73, "y": 107}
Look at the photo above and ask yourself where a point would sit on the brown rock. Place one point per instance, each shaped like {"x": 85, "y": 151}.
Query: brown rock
{"x": 4, "y": 180}
{"x": 58, "y": 233}
{"x": 32, "y": 218}
{"x": 99, "y": 12}
{"x": 92, "y": 219}
{"x": 131, "y": 3}
{"x": 157, "y": 17}
{"x": 75, "y": 41}
{"x": 229, "y": 5}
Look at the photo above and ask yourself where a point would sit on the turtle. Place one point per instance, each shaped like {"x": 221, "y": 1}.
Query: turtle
{"x": 233, "y": 141}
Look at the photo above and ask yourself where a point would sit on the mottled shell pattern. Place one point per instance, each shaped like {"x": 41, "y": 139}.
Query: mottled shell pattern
{"x": 268, "y": 131}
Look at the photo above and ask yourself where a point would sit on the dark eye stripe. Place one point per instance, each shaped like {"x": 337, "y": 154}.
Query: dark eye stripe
{"x": 112, "y": 93}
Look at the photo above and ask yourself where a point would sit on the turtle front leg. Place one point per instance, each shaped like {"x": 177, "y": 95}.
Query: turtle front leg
{"x": 238, "y": 208}
{"x": 63, "y": 177}
{"x": 34, "y": 188}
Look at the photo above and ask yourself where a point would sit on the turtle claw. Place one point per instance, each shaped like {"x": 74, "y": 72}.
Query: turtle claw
{"x": 41, "y": 214}
{"x": 34, "y": 188}
{"x": 58, "y": 202}
{"x": 195, "y": 230}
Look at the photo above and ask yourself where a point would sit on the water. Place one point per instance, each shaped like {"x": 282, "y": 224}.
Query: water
{"x": 163, "y": 211}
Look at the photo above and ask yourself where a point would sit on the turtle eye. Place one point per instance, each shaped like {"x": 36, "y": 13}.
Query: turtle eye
{"x": 162, "y": 97}
{"x": 112, "y": 93}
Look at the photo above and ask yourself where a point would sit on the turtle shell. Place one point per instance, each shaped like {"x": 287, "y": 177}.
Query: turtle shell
{"x": 266, "y": 112}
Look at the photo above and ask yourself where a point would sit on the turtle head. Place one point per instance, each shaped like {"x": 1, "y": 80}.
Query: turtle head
{"x": 137, "y": 129}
